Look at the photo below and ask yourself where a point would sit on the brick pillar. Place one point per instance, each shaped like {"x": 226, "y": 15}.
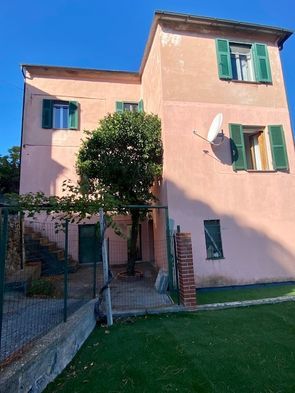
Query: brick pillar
{"x": 187, "y": 285}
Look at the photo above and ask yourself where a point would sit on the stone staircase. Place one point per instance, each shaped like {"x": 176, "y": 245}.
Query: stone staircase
{"x": 39, "y": 248}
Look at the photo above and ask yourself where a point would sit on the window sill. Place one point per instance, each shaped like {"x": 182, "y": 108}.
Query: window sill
{"x": 248, "y": 82}
{"x": 214, "y": 259}
{"x": 261, "y": 171}
{"x": 63, "y": 129}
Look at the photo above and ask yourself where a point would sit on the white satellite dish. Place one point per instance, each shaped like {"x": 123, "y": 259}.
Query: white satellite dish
{"x": 215, "y": 127}
{"x": 214, "y": 131}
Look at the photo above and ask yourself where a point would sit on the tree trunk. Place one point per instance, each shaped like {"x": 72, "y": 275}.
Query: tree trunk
{"x": 133, "y": 243}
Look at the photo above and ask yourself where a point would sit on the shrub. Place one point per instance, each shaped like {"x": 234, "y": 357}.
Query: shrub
{"x": 41, "y": 288}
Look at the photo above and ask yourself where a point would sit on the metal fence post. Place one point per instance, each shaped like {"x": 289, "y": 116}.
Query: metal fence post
{"x": 169, "y": 253}
{"x": 3, "y": 247}
{"x": 66, "y": 271}
{"x": 95, "y": 269}
{"x": 105, "y": 264}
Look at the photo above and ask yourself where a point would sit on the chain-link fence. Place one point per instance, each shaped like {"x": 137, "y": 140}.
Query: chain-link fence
{"x": 50, "y": 267}
{"x": 152, "y": 284}
{"x": 38, "y": 280}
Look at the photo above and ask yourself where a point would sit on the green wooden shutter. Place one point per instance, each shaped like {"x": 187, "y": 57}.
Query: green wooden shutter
{"x": 223, "y": 59}
{"x": 119, "y": 106}
{"x": 278, "y": 147}
{"x": 73, "y": 115}
{"x": 47, "y": 112}
{"x": 261, "y": 62}
{"x": 237, "y": 145}
{"x": 140, "y": 106}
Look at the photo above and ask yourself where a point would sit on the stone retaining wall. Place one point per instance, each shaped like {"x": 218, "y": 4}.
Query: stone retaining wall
{"x": 49, "y": 355}
{"x": 14, "y": 246}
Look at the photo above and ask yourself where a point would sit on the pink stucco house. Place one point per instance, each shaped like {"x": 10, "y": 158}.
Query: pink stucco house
{"x": 236, "y": 199}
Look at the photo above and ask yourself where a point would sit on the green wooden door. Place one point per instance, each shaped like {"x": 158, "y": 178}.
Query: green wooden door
{"x": 89, "y": 247}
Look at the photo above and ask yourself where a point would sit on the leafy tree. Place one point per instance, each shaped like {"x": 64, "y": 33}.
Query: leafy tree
{"x": 122, "y": 157}
{"x": 9, "y": 171}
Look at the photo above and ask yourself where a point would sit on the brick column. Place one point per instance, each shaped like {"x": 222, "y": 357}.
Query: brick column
{"x": 187, "y": 285}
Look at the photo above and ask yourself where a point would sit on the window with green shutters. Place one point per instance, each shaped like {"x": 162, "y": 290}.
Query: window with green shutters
{"x": 213, "y": 239}
{"x": 223, "y": 59}
{"x": 261, "y": 61}
{"x": 251, "y": 147}
{"x": 47, "y": 113}
{"x": 60, "y": 114}
{"x": 278, "y": 147}
{"x": 237, "y": 146}
{"x": 126, "y": 106}
{"x": 243, "y": 61}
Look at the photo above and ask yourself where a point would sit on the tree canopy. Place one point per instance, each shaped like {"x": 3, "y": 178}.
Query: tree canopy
{"x": 9, "y": 171}
{"x": 122, "y": 157}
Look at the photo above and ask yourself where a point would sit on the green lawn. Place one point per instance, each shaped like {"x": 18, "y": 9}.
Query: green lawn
{"x": 249, "y": 350}
{"x": 248, "y": 293}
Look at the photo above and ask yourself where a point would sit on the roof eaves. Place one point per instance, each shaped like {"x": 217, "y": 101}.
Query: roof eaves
{"x": 78, "y": 69}
{"x": 284, "y": 34}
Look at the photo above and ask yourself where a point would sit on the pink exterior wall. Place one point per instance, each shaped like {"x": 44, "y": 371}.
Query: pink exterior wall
{"x": 179, "y": 81}
{"x": 256, "y": 210}
{"x": 53, "y": 152}
{"x": 152, "y": 92}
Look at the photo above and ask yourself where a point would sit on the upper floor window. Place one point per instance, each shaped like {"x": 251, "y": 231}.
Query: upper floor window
{"x": 60, "y": 114}
{"x": 242, "y": 61}
{"x": 253, "y": 149}
{"x": 126, "y": 106}
{"x": 130, "y": 107}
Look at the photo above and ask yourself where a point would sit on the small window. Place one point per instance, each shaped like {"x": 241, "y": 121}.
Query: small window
{"x": 130, "y": 107}
{"x": 253, "y": 148}
{"x": 248, "y": 62}
{"x": 213, "y": 239}
{"x": 124, "y": 106}
{"x": 60, "y": 114}
{"x": 242, "y": 62}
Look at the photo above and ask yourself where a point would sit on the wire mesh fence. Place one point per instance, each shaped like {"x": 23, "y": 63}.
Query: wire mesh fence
{"x": 151, "y": 285}
{"x": 38, "y": 288}
{"x": 53, "y": 267}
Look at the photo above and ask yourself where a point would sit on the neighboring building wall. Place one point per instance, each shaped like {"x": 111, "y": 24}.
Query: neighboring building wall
{"x": 54, "y": 152}
{"x": 256, "y": 210}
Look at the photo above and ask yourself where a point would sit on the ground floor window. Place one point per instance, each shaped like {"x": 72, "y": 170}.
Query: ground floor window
{"x": 213, "y": 239}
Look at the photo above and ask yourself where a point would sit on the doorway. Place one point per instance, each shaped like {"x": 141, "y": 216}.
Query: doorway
{"x": 89, "y": 243}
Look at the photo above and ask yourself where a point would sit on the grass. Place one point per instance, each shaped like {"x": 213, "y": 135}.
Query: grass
{"x": 249, "y": 350}
{"x": 246, "y": 293}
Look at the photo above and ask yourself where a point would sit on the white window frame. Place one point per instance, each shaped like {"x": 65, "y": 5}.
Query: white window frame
{"x": 58, "y": 123}
{"x": 238, "y": 60}
{"x": 132, "y": 104}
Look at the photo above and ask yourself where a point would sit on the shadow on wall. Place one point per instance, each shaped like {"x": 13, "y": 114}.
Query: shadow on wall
{"x": 252, "y": 249}
{"x": 221, "y": 153}
{"x": 46, "y": 152}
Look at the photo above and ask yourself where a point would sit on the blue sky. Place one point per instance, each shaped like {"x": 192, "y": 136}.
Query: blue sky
{"x": 106, "y": 34}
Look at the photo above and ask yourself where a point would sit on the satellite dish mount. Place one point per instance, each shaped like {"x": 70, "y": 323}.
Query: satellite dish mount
{"x": 215, "y": 134}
